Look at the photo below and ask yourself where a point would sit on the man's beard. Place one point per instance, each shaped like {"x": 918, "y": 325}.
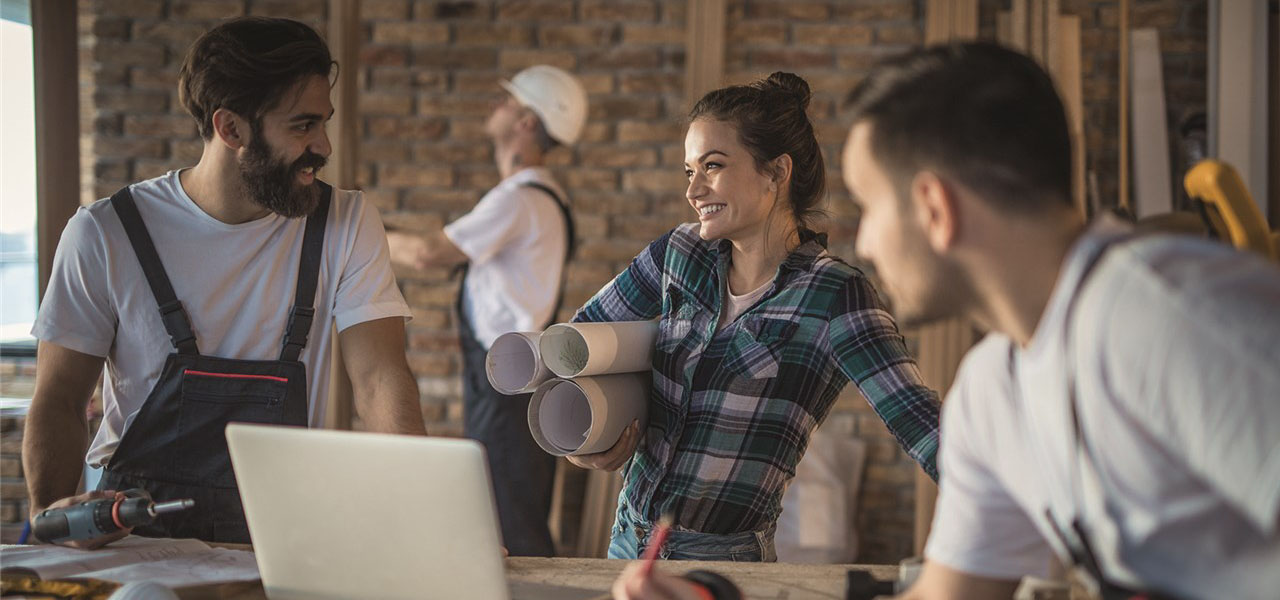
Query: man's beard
{"x": 272, "y": 184}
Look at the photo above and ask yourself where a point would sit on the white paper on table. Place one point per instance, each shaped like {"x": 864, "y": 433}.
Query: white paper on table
{"x": 586, "y": 415}
{"x": 169, "y": 562}
{"x": 586, "y": 349}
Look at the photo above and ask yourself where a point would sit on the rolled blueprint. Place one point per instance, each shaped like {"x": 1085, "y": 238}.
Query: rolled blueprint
{"x": 587, "y": 415}
{"x": 513, "y": 365}
{"x": 585, "y": 349}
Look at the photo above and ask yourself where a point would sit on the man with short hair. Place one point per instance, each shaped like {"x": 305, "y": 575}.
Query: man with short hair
{"x": 514, "y": 245}
{"x": 1123, "y": 415}
{"x": 211, "y": 293}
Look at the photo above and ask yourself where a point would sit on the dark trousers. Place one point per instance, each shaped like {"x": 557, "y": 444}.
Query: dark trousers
{"x": 522, "y": 472}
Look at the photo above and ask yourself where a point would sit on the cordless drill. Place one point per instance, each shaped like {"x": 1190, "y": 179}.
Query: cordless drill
{"x": 100, "y": 517}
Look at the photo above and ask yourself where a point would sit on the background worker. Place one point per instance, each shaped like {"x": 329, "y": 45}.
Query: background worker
{"x": 514, "y": 245}
{"x": 211, "y": 292}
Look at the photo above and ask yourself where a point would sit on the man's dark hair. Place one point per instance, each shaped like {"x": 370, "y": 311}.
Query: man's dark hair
{"x": 247, "y": 65}
{"x": 770, "y": 117}
{"x": 982, "y": 114}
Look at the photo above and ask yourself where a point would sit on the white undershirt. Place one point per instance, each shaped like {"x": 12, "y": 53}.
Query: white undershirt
{"x": 736, "y": 305}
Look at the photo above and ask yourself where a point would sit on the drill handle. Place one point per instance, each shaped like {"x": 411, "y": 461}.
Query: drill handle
{"x": 76, "y": 522}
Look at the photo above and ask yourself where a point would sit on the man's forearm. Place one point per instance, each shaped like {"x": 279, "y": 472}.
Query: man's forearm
{"x": 390, "y": 403}
{"x": 53, "y": 448}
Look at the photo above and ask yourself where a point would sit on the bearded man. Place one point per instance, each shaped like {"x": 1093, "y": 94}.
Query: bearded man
{"x": 211, "y": 293}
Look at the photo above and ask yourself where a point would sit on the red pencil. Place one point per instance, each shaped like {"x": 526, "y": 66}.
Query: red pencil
{"x": 655, "y": 545}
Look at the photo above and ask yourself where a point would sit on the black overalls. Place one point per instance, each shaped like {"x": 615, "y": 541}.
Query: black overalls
{"x": 175, "y": 447}
{"x": 522, "y": 472}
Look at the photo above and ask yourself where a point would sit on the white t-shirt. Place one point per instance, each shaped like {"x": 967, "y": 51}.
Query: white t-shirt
{"x": 735, "y": 305}
{"x": 1178, "y": 382}
{"x": 237, "y": 283}
{"x": 515, "y": 241}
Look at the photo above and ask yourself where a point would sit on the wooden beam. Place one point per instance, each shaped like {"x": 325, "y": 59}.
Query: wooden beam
{"x": 704, "y": 48}
{"x": 1123, "y": 195}
{"x": 1018, "y": 25}
{"x": 1238, "y": 130}
{"x": 942, "y": 345}
{"x": 57, "y": 103}
{"x": 1273, "y": 147}
{"x": 964, "y": 20}
{"x": 1070, "y": 86}
{"x": 1051, "y": 33}
{"x": 950, "y": 21}
{"x": 937, "y": 22}
{"x": 1036, "y": 33}
{"x": 344, "y": 45}
{"x": 1152, "y": 179}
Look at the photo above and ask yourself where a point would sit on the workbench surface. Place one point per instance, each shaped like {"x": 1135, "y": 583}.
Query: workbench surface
{"x": 760, "y": 581}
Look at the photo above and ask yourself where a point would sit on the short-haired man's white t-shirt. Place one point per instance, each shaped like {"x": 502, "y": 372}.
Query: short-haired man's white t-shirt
{"x": 515, "y": 240}
{"x": 1176, "y": 343}
{"x": 237, "y": 283}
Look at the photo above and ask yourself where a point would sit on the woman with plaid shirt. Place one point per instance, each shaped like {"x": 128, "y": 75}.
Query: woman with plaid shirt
{"x": 759, "y": 331}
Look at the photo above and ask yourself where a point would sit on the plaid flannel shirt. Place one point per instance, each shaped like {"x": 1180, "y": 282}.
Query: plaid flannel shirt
{"x": 731, "y": 411}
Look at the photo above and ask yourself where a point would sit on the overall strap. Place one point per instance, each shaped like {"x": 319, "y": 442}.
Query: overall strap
{"x": 300, "y": 317}
{"x": 569, "y": 248}
{"x": 176, "y": 323}
{"x": 1084, "y": 455}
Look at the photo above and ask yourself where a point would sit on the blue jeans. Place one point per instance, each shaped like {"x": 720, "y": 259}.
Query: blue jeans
{"x": 631, "y": 533}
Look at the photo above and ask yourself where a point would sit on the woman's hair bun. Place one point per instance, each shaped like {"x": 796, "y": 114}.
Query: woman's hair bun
{"x": 791, "y": 85}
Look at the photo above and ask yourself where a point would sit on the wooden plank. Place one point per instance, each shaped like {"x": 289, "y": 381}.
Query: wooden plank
{"x": 57, "y": 105}
{"x": 1036, "y": 33}
{"x": 1004, "y": 28}
{"x": 598, "y": 508}
{"x": 555, "y": 518}
{"x": 1122, "y": 201}
{"x": 1239, "y": 126}
{"x": 1051, "y": 33}
{"x": 1070, "y": 86}
{"x": 942, "y": 345}
{"x": 1273, "y": 147}
{"x": 937, "y": 21}
{"x": 964, "y": 20}
{"x": 344, "y": 44}
{"x": 704, "y": 48}
{"x": 1018, "y": 25}
{"x": 1152, "y": 179}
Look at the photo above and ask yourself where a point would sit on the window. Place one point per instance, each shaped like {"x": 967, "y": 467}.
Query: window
{"x": 19, "y": 269}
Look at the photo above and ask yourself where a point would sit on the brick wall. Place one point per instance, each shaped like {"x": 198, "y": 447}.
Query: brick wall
{"x": 427, "y": 76}
{"x": 134, "y": 47}
{"x": 17, "y": 379}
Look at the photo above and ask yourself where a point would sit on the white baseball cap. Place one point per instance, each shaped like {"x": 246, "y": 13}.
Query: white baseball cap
{"x": 557, "y": 97}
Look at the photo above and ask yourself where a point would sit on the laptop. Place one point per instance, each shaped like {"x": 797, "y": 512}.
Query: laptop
{"x": 339, "y": 514}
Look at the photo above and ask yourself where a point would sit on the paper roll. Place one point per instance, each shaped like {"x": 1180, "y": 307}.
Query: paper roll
{"x": 586, "y": 415}
{"x": 514, "y": 365}
{"x": 586, "y": 349}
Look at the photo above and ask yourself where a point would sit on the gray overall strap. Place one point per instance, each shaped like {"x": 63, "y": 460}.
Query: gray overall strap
{"x": 304, "y": 299}
{"x": 174, "y": 317}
